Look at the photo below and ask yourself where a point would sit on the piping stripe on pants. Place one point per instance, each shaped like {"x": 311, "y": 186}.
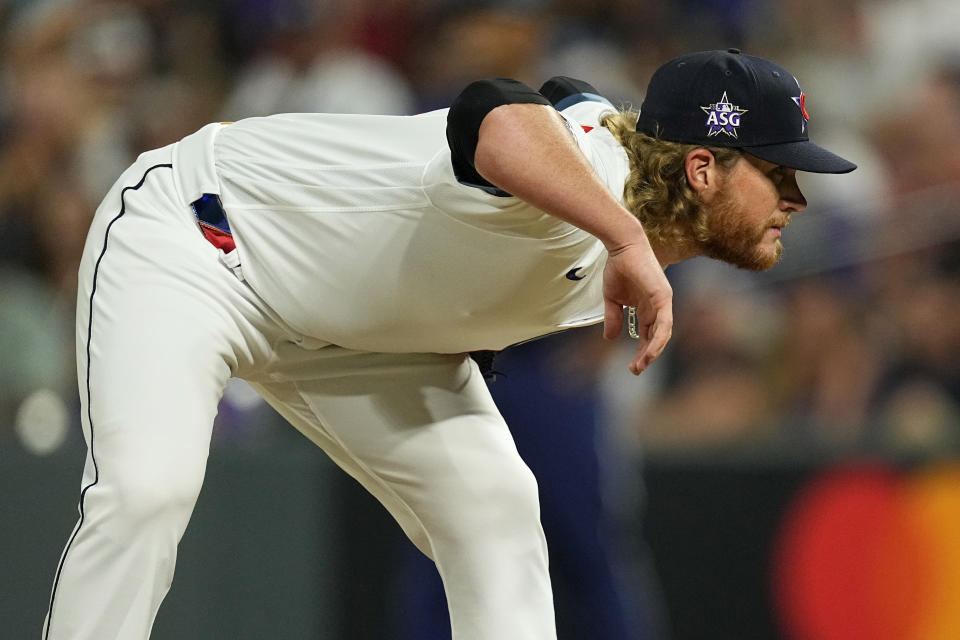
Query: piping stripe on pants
{"x": 96, "y": 471}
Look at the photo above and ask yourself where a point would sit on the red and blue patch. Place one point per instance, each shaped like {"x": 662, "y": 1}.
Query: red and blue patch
{"x": 213, "y": 222}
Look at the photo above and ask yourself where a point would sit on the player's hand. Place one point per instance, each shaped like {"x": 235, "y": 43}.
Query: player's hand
{"x": 634, "y": 278}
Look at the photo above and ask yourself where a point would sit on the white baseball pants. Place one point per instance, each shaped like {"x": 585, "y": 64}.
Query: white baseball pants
{"x": 163, "y": 322}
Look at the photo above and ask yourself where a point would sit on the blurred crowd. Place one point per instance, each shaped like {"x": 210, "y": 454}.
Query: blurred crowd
{"x": 850, "y": 345}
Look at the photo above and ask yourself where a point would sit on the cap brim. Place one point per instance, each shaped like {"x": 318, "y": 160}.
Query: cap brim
{"x": 802, "y": 156}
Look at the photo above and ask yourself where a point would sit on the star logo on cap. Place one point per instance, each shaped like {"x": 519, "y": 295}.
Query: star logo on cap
{"x": 723, "y": 117}
{"x": 801, "y": 100}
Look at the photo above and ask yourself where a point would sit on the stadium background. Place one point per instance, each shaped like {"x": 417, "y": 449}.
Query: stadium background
{"x": 790, "y": 463}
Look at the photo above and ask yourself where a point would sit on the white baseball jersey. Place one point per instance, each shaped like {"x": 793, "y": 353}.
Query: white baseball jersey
{"x": 356, "y": 231}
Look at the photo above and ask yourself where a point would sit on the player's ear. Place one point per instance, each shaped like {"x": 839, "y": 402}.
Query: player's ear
{"x": 701, "y": 170}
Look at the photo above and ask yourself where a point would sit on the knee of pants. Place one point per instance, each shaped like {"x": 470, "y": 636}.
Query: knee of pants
{"x": 496, "y": 505}
{"x": 143, "y": 497}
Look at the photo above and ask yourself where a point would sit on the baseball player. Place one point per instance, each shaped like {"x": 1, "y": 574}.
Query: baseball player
{"x": 345, "y": 265}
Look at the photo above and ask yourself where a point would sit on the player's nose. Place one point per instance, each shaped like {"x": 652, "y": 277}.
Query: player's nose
{"x": 791, "y": 198}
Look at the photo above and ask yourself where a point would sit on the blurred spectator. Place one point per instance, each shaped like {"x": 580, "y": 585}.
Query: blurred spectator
{"x": 917, "y": 401}
{"x": 714, "y": 393}
{"x": 306, "y": 59}
{"x": 35, "y": 340}
{"x": 823, "y": 406}
{"x": 463, "y": 43}
{"x": 906, "y": 41}
{"x": 922, "y": 150}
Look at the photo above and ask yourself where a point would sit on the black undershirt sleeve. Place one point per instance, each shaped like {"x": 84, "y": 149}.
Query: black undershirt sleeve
{"x": 558, "y": 88}
{"x": 468, "y": 111}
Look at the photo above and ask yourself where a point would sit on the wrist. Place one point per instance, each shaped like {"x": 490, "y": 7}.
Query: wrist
{"x": 629, "y": 233}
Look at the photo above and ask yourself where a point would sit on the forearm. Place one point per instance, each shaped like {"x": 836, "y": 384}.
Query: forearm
{"x": 527, "y": 150}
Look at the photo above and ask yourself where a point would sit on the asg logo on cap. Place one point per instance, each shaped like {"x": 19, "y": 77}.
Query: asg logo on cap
{"x": 723, "y": 117}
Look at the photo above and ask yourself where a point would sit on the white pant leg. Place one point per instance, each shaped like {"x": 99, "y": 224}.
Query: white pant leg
{"x": 422, "y": 434}
{"x": 154, "y": 316}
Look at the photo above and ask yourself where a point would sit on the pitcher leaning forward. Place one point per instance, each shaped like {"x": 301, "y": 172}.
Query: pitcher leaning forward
{"x": 346, "y": 265}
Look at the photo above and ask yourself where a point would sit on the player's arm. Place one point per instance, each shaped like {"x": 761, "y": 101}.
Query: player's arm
{"x": 513, "y": 139}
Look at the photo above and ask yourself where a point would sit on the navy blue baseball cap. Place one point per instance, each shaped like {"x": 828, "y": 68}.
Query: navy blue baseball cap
{"x": 729, "y": 99}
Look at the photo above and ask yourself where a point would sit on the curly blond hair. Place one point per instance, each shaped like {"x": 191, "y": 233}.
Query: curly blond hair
{"x": 656, "y": 191}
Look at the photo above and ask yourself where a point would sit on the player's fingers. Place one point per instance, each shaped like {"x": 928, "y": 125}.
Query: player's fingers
{"x": 658, "y": 335}
{"x": 640, "y": 362}
{"x": 612, "y": 319}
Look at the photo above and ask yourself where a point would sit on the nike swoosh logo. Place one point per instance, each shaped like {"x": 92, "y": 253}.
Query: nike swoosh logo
{"x": 572, "y": 274}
